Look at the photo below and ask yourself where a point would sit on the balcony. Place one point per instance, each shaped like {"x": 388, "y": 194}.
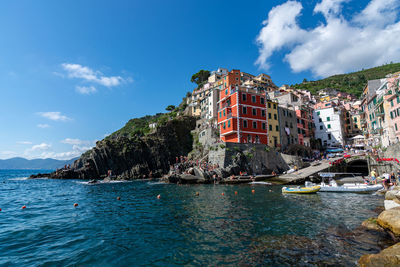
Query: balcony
{"x": 223, "y": 105}
{"x": 379, "y": 113}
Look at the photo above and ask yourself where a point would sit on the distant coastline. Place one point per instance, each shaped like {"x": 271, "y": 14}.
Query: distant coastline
{"x": 33, "y": 164}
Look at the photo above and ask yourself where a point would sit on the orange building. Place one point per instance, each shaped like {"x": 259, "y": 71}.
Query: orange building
{"x": 242, "y": 112}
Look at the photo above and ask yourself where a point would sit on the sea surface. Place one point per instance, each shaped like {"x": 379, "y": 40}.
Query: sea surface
{"x": 180, "y": 228}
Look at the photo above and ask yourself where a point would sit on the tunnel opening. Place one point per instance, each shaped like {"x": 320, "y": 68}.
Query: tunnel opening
{"x": 358, "y": 166}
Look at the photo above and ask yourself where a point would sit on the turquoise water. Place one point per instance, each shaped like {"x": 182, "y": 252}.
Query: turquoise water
{"x": 179, "y": 229}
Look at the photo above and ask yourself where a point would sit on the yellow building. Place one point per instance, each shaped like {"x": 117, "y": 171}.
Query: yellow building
{"x": 273, "y": 124}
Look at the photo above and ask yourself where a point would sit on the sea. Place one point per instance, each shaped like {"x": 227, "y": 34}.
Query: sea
{"x": 216, "y": 227}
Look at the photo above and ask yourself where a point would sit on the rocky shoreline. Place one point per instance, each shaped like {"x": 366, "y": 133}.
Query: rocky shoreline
{"x": 388, "y": 221}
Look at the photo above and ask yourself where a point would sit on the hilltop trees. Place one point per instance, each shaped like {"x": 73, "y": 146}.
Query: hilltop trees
{"x": 200, "y": 77}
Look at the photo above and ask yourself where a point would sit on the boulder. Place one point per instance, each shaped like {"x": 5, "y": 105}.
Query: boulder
{"x": 390, "y": 220}
{"x": 387, "y": 257}
{"x": 371, "y": 224}
{"x": 390, "y": 204}
{"x": 391, "y": 194}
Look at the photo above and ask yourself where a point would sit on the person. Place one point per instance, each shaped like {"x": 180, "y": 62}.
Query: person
{"x": 393, "y": 179}
{"x": 295, "y": 168}
{"x": 373, "y": 176}
{"x": 273, "y": 173}
{"x": 215, "y": 178}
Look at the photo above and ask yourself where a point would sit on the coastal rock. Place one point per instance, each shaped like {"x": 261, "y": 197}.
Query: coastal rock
{"x": 135, "y": 156}
{"x": 391, "y": 194}
{"x": 387, "y": 257}
{"x": 390, "y": 204}
{"x": 372, "y": 224}
{"x": 390, "y": 220}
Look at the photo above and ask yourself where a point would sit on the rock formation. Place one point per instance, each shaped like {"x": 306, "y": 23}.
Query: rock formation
{"x": 133, "y": 157}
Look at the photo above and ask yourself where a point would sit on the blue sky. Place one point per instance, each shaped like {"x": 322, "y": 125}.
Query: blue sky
{"x": 72, "y": 72}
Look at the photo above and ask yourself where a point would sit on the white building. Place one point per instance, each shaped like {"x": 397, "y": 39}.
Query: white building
{"x": 329, "y": 126}
{"x": 209, "y": 105}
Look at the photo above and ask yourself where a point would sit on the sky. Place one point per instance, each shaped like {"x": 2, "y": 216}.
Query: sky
{"x": 72, "y": 72}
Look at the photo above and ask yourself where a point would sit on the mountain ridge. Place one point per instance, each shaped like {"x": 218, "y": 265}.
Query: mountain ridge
{"x": 19, "y": 163}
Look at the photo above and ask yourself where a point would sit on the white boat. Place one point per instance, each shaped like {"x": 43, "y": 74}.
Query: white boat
{"x": 349, "y": 188}
{"x": 260, "y": 182}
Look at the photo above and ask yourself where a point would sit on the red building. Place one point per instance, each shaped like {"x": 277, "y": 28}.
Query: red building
{"x": 305, "y": 124}
{"x": 242, "y": 112}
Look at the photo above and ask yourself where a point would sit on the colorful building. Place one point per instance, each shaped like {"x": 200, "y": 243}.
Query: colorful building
{"x": 242, "y": 116}
{"x": 273, "y": 124}
{"x": 305, "y": 124}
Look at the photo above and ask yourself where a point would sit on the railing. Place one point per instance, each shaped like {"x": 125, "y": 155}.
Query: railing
{"x": 223, "y": 105}
{"x": 379, "y": 113}
{"x": 379, "y": 101}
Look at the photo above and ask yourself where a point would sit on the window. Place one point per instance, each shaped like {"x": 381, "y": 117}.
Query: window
{"x": 318, "y": 113}
{"x": 264, "y": 126}
{"x": 391, "y": 115}
{"x": 244, "y": 110}
{"x": 229, "y": 123}
{"x": 298, "y": 131}
{"x": 291, "y": 125}
{"x": 275, "y": 117}
{"x": 269, "y": 116}
{"x": 244, "y": 97}
{"x": 391, "y": 102}
{"x": 245, "y": 124}
{"x": 220, "y": 114}
{"x": 320, "y": 120}
{"x": 274, "y": 106}
{"x": 329, "y": 126}
{"x": 328, "y": 118}
{"x": 320, "y": 127}
{"x": 277, "y": 128}
{"x": 253, "y": 99}
{"x": 395, "y": 126}
{"x": 254, "y": 125}
{"x": 254, "y": 111}
{"x": 237, "y": 79}
{"x": 224, "y": 125}
{"x": 329, "y": 136}
{"x": 224, "y": 112}
{"x": 269, "y": 105}
{"x": 398, "y": 99}
{"x": 270, "y": 127}
{"x": 262, "y": 100}
{"x": 226, "y": 91}
{"x": 263, "y": 113}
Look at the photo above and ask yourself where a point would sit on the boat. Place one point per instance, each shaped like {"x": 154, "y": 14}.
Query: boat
{"x": 301, "y": 190}
{"x": 349, "y": 187}
{"x": 260, "y": 183}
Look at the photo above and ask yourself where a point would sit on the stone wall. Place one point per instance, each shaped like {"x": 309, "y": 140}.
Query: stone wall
{"x": 260, "y": 158}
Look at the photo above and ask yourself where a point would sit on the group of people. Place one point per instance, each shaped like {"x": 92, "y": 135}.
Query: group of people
{"x": 387, "y": 179}
{"x": 183, "y": 163}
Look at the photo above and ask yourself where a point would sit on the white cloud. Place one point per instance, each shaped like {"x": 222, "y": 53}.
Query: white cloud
{"x": 24, "y": 142}
{"x": 43, "y": 125}
{"x": 369, "y": 39}
{"x": 86, "y": 90}
{"x": 54, "y": 115}
{"x": 72, "y": 141}
{"x": 42, "y": 146}
{"x": 87, "y": 74}
{"x": 7, "y": 154}
{"x": 75, "y": 152}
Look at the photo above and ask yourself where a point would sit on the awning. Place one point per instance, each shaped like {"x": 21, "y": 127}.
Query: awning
{"x": 358, "y": 137}
{"x": 334, "y": 150}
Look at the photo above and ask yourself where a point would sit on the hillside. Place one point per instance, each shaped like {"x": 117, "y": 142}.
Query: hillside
{"x": 352, "y": 83}
{"x": 44, "y": 164}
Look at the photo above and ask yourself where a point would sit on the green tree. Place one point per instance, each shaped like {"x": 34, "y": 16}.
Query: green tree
{"x": 170, "y": 108}
{"x": 200, "y": 77}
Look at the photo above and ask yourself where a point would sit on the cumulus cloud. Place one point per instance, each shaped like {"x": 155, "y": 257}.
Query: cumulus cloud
{"x": 43, "y": 126}
{"x": 7, "y": 154}
{"x": 72, "y": 141}
{"x": 89, "y": 75}
{"x": 86, "y": 90}
{"x": 42, "y": 146}
{"x": 76, "y": 151}
{"x": 336, "y": 45}
{"x": 54, "y": 115}
{"x": 24, "y": 142}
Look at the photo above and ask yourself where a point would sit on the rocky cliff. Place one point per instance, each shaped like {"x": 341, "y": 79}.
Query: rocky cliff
{"x": 131, "y": 157}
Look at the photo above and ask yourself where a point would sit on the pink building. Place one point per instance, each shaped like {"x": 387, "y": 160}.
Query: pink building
{"x": 393, "y": 98}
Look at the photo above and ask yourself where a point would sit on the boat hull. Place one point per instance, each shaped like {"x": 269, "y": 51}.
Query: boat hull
{"x": 301, "y": 190}
{"x": 351, "y": 188}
